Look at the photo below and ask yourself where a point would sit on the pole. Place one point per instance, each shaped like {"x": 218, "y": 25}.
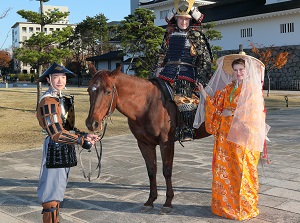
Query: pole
{"x": 39, "y": 84}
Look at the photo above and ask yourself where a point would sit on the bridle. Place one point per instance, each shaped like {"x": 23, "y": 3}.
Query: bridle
{"x": 89, "y": 174}
{"x": 111, "y": 109}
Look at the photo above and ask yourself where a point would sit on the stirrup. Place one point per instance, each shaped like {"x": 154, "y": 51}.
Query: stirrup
{"x": 186, "y": 135}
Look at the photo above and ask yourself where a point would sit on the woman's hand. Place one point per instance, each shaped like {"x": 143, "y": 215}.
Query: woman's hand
{"x": 201, "y": 90}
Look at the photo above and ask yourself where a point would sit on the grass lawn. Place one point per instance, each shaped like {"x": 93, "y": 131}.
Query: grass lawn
{"x": 20, "y": 130}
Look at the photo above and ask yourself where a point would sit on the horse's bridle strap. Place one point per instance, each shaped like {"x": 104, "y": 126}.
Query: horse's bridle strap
{"x": 109, "y": 112}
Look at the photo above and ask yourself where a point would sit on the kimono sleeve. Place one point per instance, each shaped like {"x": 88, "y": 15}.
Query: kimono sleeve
{"x": 213, "y": 111}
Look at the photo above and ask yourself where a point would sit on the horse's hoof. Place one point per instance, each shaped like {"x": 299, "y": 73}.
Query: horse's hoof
{"x": 165, "y": 210}
{"x": 146, "y": 208}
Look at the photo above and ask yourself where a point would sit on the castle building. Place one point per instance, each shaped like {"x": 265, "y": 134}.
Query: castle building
{"x": 265, "y": 23}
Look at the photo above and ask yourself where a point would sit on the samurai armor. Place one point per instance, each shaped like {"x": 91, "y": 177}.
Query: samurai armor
{"x": 60, "y": 155}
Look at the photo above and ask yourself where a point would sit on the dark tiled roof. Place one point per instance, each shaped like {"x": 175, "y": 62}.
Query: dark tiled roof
{"x": 107, "y": 56}
{"x": 241, "y": 8}
{"x": 156, "y": 1}
{"x": 129, "y": 60}
{"x": 151, "y": 2}
{"x": 229, "y": 9}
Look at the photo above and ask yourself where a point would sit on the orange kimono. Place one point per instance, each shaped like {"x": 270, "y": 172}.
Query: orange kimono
{"x": 235, "y": 177}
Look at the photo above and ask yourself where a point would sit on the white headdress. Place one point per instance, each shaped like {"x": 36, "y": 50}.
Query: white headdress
{"x": 248, "y": 128}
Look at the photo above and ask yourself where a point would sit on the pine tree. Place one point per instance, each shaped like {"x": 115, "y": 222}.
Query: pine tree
{"x": 41, "y": 49}
{"x": 140, "y": 40}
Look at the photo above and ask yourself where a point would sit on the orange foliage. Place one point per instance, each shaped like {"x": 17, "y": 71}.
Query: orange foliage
{"x": 4, "y": 59}
{"x": 268, "y": 57}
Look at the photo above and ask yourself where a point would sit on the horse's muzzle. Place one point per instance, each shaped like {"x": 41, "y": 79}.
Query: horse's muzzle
{"x": 93, "y": 125}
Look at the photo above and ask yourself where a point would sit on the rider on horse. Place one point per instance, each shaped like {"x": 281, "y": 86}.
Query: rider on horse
{"x": 184, "y": 59}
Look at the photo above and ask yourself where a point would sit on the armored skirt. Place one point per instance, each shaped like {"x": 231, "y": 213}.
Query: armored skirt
{"x": 235, "y": 177}
{"x": 53, "y": 181}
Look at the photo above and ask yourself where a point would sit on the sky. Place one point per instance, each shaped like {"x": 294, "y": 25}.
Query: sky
{"x": 114, "y": 10}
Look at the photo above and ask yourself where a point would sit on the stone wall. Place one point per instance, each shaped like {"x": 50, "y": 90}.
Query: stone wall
{"x": 286, "y": 78}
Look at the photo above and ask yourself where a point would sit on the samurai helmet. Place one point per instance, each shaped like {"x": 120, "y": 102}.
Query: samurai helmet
{"x": 183, "y": 7}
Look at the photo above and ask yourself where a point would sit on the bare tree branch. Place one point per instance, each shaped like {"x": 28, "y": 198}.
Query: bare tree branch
{"x": 5, "y": 13}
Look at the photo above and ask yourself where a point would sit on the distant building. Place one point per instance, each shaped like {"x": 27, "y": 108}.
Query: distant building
{"x": 22, "y": 31}
{"x": 108, "y": 61}
{"x": 267, "y": 22}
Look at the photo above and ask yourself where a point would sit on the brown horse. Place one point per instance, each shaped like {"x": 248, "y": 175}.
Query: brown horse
{"x": 151, "y": 117}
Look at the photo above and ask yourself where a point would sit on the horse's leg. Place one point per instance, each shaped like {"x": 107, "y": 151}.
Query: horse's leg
{"x": 167, "y": 154}
{"x": 149, "y": 153}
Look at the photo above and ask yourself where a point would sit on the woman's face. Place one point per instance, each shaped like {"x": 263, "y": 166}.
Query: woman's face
{"x": 58, "y": 81}
{"x": 239, "y": 72}
{"x": 183, "y": 22}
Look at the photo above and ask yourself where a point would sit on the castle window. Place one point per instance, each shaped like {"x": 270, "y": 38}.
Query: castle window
{"x": 163, "y": 14}
{"x": 287, "y": 28}
{"x": 246, "y": 32}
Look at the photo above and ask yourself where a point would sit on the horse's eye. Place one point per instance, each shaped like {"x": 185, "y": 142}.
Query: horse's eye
{"x": 107, "y": 92}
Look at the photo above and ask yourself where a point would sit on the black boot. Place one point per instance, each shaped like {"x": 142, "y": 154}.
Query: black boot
{"x": 187, "y": 131}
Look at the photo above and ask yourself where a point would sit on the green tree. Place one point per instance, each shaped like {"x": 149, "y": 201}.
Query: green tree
{"x": 90, "y": 38}
{"x": 41, "y": 49}
{"x": 212, "y": 35}
{"x": 140, "y": 39}
{"x": 93, "y": 34}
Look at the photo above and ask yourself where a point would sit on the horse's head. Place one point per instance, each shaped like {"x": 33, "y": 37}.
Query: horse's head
{"x": 103, "y": 98}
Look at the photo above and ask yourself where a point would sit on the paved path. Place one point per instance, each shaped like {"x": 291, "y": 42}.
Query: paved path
{"x": 118, "y": 195}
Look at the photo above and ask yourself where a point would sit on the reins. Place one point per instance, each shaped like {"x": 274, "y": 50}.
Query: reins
{"x": 98, "y": 155}
{"x": 98, "y": 151}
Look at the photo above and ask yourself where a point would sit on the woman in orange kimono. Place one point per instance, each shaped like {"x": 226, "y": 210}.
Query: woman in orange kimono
{"x": 235, "y": 115}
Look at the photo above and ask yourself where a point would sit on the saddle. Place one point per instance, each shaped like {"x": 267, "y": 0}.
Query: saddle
{"x": 184, "y": 129}
{"x": 165, "y": 86}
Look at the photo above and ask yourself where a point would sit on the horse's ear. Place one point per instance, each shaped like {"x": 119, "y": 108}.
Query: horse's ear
{"x": 92, "y": 69}
{"x": 116, "y": 71}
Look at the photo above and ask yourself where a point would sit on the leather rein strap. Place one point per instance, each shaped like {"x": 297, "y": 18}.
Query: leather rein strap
{"x": 88, "y": 175}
